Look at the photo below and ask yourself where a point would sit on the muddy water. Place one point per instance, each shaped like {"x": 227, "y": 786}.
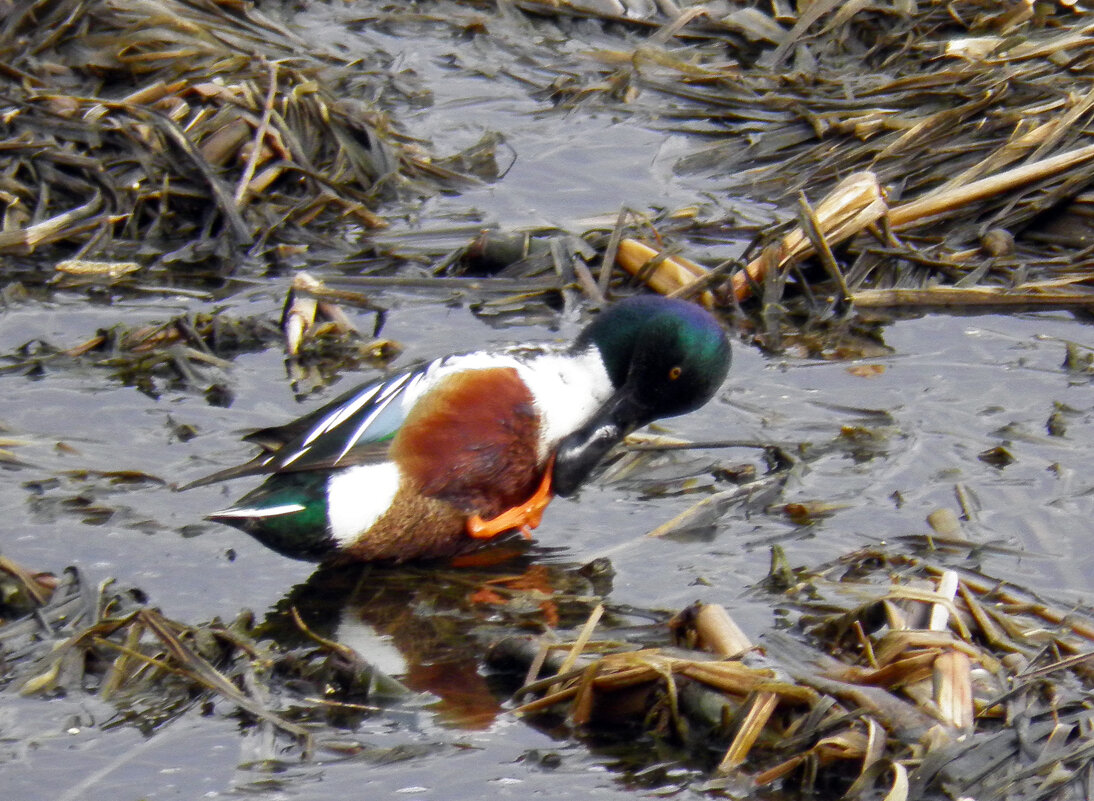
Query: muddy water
{"x": 891, "y": 443}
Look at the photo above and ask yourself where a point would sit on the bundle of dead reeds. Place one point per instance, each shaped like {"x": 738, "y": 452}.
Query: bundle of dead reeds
{"x": 932, "y": 682}
{"x": 194, "y": 126}
{"x": 946, "y": 146}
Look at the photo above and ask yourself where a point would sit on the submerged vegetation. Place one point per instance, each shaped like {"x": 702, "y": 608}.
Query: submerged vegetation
{"x": 870, "y": 157}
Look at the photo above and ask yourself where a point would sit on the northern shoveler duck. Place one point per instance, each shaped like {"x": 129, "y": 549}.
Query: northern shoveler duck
{"x": 429, "y": 461}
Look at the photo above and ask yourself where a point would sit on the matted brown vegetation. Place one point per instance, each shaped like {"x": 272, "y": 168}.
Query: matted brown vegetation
{"x": 897, "y": 673}
{"x": 947, "y": 145}
{"x": 931, "y": 682}
{"x": 942, "y": 148}
{"x": 179, "y": 130}
{"x": 937, "y": 138}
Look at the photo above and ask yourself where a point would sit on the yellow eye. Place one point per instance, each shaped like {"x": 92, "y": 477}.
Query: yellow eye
{"x": 675, "y": 373}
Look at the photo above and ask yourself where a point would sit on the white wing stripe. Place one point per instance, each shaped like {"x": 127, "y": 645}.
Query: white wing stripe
{"x": 382, "y": 404}
{"x": 286, "y": 462}
{"x": 404, "y": 389}
{"x": 272, "y": 511}
{"x": 392, "y": 387}
{"x": 340, "y": 414}
{"x": 343, "y": 413}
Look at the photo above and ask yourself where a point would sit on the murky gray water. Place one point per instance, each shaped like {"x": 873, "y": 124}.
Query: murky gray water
{"x": 952, "y": 388}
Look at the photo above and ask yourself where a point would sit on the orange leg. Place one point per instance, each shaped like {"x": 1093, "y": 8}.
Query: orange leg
{"x": 525, "y": 516}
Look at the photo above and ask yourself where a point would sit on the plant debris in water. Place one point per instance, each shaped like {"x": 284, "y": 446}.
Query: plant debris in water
{"x": 61, "y": 636}
{"x": 944, "y": 149}
{"x": 931, "y": 153}
{"x": 898, "y": 675}
{"x": 915, "y": 154}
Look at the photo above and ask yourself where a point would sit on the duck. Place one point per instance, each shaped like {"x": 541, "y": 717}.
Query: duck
{"x": 438, "y": 458}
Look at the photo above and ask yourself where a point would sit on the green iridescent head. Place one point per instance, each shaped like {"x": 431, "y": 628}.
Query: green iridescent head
{"x": 664, "y": 358}
{"x": 671, "y": 354}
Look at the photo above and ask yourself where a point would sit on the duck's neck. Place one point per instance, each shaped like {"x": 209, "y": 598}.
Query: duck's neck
{"x": 567, "y": 387}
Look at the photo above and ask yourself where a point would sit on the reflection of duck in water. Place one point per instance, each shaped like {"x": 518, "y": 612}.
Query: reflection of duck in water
{"x": 429, "y": 461}
{"x": 429, "y": 625}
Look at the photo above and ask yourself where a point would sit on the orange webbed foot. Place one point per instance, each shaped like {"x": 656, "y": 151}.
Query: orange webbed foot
{"x": 525, "y": 516}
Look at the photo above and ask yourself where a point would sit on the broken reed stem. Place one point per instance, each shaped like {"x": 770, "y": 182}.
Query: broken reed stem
{"x": 705, "y": 283}
{"x": 118, "y": 671}
{"x": 865, "y": 643}
{"x": 759, "y": 713}
{"x": 1008, "y": 597}
{"x": 26, "y": 578}
{"x": 546, "y": 702}
{"x": 604, "y": 278}
{"x": 946, "y": 296}
{"x": 914, "y": 212}
{"x": 940, "y": 614}
{"x": 718, "y": 632}
{"x": 671, "y": 273}
{"x": 259, "y": 138}
{"x": 952, "y": 689}
{"x": 585, "y": 280}
{"x": 581, "y": 710}
{"x": 580, "y": 643}
{"x": 875, "y": 743}
{"x": 853, "y": 205}
{"x": 536, "y": 665}
{"x": 817, "y": 239}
